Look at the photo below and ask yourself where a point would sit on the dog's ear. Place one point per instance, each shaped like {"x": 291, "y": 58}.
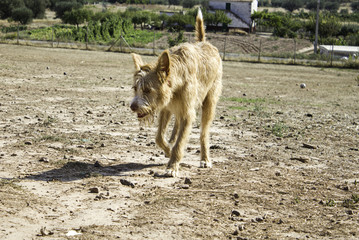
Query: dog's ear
{"x": 163, "y": 64}
{"x": 137, "y": 60}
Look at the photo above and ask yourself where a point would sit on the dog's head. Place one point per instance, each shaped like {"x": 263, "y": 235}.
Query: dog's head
{"x": 151, "y": 86}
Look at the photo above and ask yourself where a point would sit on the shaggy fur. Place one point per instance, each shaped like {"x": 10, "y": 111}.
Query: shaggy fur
{"x": 183, "y": 79}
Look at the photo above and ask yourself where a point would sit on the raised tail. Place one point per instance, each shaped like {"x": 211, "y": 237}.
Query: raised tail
{"x": 200, "y": 33}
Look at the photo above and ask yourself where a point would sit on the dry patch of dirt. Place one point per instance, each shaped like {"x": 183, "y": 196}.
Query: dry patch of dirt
{"x": 74, "y": 163}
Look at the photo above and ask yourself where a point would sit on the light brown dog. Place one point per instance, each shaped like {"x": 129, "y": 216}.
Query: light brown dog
{"x": 183, "y": 79}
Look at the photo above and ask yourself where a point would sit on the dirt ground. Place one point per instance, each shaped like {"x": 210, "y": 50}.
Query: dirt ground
{"x": 75, "y": 163}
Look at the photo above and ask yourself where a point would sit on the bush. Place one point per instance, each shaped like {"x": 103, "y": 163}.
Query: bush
{"x": 175, "y": 41}
{"x": 355, "y": 6}
{"x": 22, "y": 15}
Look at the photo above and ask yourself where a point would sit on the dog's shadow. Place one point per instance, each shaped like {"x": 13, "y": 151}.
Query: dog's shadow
{"x": 73, "y": 171}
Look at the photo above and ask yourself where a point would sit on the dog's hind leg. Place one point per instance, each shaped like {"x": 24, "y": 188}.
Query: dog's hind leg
{"x": 162, "y": 127}
{"x": 174, "y": 132}
{"x": 208, "y": 112}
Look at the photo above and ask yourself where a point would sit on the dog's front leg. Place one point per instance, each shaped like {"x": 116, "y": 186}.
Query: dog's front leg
{"x": 185, "y": 126}
{"x": 162, "y": 126}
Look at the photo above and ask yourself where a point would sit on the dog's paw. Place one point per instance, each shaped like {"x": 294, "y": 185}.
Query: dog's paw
{"x": 204, "y": 164}
{"x": 171, "y": 173}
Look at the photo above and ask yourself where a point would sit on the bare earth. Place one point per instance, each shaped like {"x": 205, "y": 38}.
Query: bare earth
{"x": 74, "y": 160}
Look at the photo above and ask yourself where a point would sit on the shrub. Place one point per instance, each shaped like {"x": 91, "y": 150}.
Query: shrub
{"x": 22, "y": 15}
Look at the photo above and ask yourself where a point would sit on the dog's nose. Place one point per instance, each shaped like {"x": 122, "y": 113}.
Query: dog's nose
{"x": 134, "y": 106}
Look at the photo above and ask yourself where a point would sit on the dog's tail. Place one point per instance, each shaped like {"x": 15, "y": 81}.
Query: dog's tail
{"x": 200, "y": 33}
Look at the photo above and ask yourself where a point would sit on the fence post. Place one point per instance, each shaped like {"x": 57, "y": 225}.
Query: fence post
{"x": 154, "y": 42}
{"x": 52, "y": 36}
{"x": 87, "y": 36}
{"x": 260, "y": 50}
{"x": 18, "y": 34}
{"x": 224, "y": 49}
{"x": 331, "y": 55}
{"x": 121, "y": 42}
{"x": 295, "y": 50}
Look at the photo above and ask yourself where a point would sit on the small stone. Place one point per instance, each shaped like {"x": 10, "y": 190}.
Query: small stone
{"x": 127, "y": 183}
{"x": 43, "y": 159}
{"x": 184, "y": 186}
{"x": 102, "y": 145}
{"x": 235, "y": 233}
{"x": 303, "y": 85}
{"x": 241, "y": 227}
{"x": 28, "y": 143}
{"x": 187, "y": 181}
{"x": 277, "y": 174}
{"x": 305, "y": 145}
{"x": 65, "y": 73}
{"x": 235, "y": 195}
{"x": 94, "y": 190}
{"x": 235, "y": 213}
{"x": 97, "y": 164}
{"x": 349, "y": 212}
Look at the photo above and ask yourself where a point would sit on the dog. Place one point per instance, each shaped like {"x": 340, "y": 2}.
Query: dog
{"x": 183, "y": 79}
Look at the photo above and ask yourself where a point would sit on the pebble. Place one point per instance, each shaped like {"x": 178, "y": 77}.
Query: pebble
{"x": 235, "y": 213}
{"x": 97, "y": 164}
{"x": 44, "y": 159}
{"x": 184, "y": 186}
{"x": 28, "y": 143}
{"x": 127, "y": 183}
{"x": 187, "y": 181}
{"x": 235, "y": 195}
{"x": 94, "y": 190}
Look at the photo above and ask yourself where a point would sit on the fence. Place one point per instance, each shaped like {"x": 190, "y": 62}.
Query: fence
{"x": 252, "y": 48}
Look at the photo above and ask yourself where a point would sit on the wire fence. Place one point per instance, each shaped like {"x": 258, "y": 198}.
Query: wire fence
{"x": 252, "y": 48}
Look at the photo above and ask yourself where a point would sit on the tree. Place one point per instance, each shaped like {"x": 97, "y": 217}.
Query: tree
{"x": 64, "y": 6}
{"x": 312, "y": 5}
{"x": 355, "y": 6}
{"x": 77, "y": 16}
{"x": 329, "y": 25}
{"x": 292, "y": 5}
{"x": 7, "y": 7}
{"x": 37, "y": 7}
{"x": 22, "y": 15}
{"x": 332, "y": 6}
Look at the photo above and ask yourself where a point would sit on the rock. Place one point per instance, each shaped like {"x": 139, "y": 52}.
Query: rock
{"x": 43, "y": 159}
{"x": 235, "y": 195}
{"x": 241, "y": 227}
{"x": 94, "y": 190}
{"x": 184, "y": 186}
{"x": 72, "y": 233}
{"x": 300, "y": 159}
{"x": 28, "y": 143}
{"x": 235, "y": 213}
{"x": 65, "y": 73}
{"x": 127, "y": 183}
{"x": 305, "y": 145}
{"x": 97, "y": 164}
{"x": 187, "y": 181}
{"x": 303, "y": 85}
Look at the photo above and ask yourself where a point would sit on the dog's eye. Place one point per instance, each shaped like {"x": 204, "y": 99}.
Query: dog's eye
{"x": 146, "y": 90}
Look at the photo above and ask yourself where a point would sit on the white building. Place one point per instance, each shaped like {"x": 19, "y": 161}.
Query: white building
{"x": 339, "y": 51}
{"x": 238, "y": 10}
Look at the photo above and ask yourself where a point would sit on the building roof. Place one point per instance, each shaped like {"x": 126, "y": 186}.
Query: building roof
{"x": 230, "y": 1}
{"x": 343, "y": 49}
